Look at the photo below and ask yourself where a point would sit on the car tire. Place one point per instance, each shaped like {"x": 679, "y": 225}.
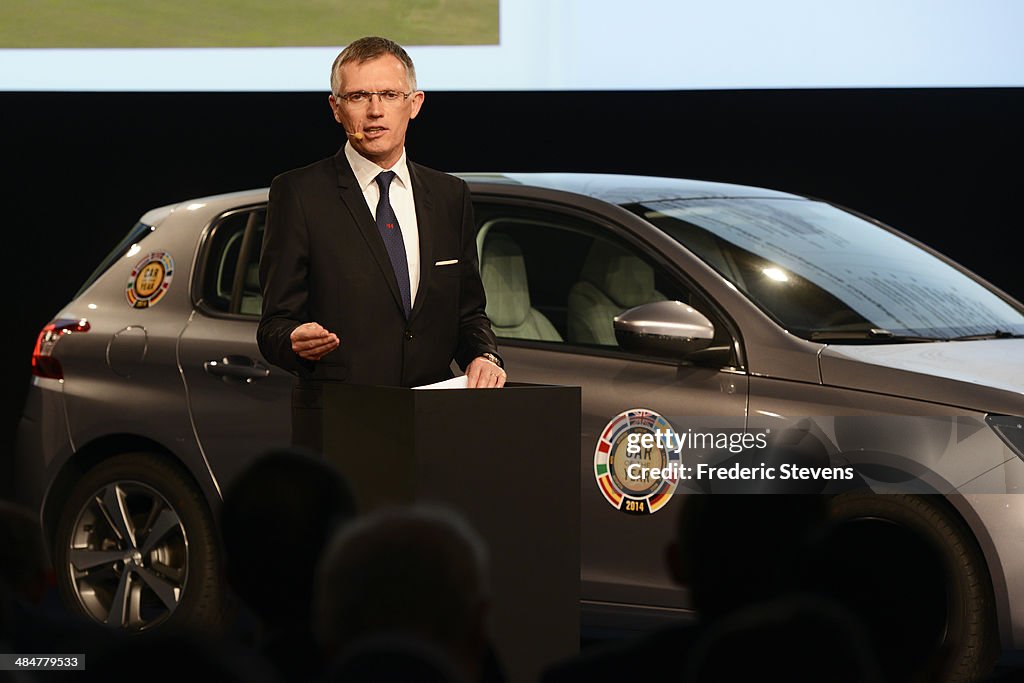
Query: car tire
{"x": 970, "y": 640}
{"x": 136, "y": 547}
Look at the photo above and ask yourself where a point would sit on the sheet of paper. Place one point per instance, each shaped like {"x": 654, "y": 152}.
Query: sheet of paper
{"x": 459, "y": 382}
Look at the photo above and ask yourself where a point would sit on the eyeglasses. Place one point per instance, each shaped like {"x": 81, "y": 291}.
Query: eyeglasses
{"x": 364, "y": 97}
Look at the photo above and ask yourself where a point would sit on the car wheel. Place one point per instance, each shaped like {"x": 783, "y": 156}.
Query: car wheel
{"x": 136, "y": 547}
{"x": 967, "y": 638}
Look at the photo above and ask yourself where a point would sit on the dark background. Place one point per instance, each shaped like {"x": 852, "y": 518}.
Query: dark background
{"x": 943, "y": 165}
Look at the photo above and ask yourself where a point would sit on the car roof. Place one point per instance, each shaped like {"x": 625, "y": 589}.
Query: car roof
{"x": 626, "y": 189}
{"x": 207, "y": 206}
{"x": 608, "y": 187}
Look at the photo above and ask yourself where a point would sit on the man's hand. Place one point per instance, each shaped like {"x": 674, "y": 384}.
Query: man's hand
{"x": 311, "y": 341}
{"x": 483, "y": 374}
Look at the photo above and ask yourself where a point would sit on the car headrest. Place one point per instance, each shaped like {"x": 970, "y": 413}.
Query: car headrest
{"x": 623, "y": 278}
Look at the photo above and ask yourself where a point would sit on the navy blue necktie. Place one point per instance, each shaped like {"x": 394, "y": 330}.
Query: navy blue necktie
{"x": 387, "y": 223}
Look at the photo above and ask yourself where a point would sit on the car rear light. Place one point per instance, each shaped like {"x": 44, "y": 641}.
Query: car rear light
{"x": 43, "y": 362}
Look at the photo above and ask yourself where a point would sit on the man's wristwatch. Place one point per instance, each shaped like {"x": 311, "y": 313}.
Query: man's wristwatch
{"x": 494, "y": 359}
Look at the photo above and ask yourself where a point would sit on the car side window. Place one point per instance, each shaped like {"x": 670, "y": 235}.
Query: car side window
{"x": 553, "y": 278}
{"x": 231, "y": 267}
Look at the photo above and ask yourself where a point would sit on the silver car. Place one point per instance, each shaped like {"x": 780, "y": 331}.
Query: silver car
{"x": 678, "y": 299}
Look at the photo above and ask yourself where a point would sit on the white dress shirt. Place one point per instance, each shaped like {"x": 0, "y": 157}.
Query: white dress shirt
{"x": 400, "y": 194}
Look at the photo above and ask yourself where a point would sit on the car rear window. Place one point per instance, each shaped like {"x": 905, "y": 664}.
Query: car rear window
{"x": 231, "y": 282}
{"x": 130, "y": 241}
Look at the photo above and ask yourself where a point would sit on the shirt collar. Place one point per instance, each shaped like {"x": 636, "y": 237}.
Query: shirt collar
{"x": 366, "y": 171}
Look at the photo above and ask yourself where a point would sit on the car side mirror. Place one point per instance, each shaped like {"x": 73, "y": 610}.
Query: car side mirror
{"x": 663, "y": 328}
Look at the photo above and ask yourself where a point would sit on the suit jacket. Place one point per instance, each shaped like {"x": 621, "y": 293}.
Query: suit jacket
{"x": 324, "y": 260}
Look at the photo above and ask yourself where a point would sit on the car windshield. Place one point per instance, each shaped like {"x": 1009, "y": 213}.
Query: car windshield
{"x": 823, "y": 273}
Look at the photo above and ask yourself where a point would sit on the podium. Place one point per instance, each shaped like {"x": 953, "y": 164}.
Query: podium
{"x": 507, "y": 459}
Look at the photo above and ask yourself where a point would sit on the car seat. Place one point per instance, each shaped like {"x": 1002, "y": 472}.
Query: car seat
{"x": 503, "y": 272}
{"x": 611, "y": 281}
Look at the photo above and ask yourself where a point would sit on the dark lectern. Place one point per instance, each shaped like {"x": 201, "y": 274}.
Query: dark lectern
{"x": 508, "y": 459}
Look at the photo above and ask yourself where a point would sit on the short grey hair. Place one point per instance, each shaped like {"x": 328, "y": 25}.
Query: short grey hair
{"x": 365, "y": 49}
{"x": 419, "y": 569}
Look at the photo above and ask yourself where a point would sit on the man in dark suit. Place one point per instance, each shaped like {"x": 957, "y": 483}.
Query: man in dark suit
{"x": 369, "y": 266}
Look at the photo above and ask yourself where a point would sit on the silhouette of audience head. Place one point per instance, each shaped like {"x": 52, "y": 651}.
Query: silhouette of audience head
{"x": 393, "y": 658}
{"x": 798, "y": 638}
{"x": 24, "y": 568}
{"x": 417, "y": 571}
{"x": 277, "y": 518}
{"x": 895, "y": 581}
{"x": 29, "y": 619}
{"x": 732, "y": 550}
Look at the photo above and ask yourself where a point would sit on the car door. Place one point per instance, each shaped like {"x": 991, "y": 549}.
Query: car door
{"x": 555, "y": 278}
{"x": 240, "y": 404}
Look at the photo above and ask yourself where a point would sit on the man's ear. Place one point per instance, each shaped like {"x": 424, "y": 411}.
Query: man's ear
{"x": 480, "y": 619}
{"x": 417, "y": 102}
{"x": 335, "y": 108}
{"x": 678, "y": 568}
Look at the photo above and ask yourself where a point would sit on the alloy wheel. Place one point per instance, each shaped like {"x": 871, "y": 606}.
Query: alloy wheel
{"x": 128, "y": 556}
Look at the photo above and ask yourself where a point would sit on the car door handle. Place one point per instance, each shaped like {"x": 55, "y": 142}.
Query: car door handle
{"x": 237, "y": 367}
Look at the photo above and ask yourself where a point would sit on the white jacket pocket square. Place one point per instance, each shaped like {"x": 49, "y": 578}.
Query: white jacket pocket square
{"x": 447, "y": 263}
